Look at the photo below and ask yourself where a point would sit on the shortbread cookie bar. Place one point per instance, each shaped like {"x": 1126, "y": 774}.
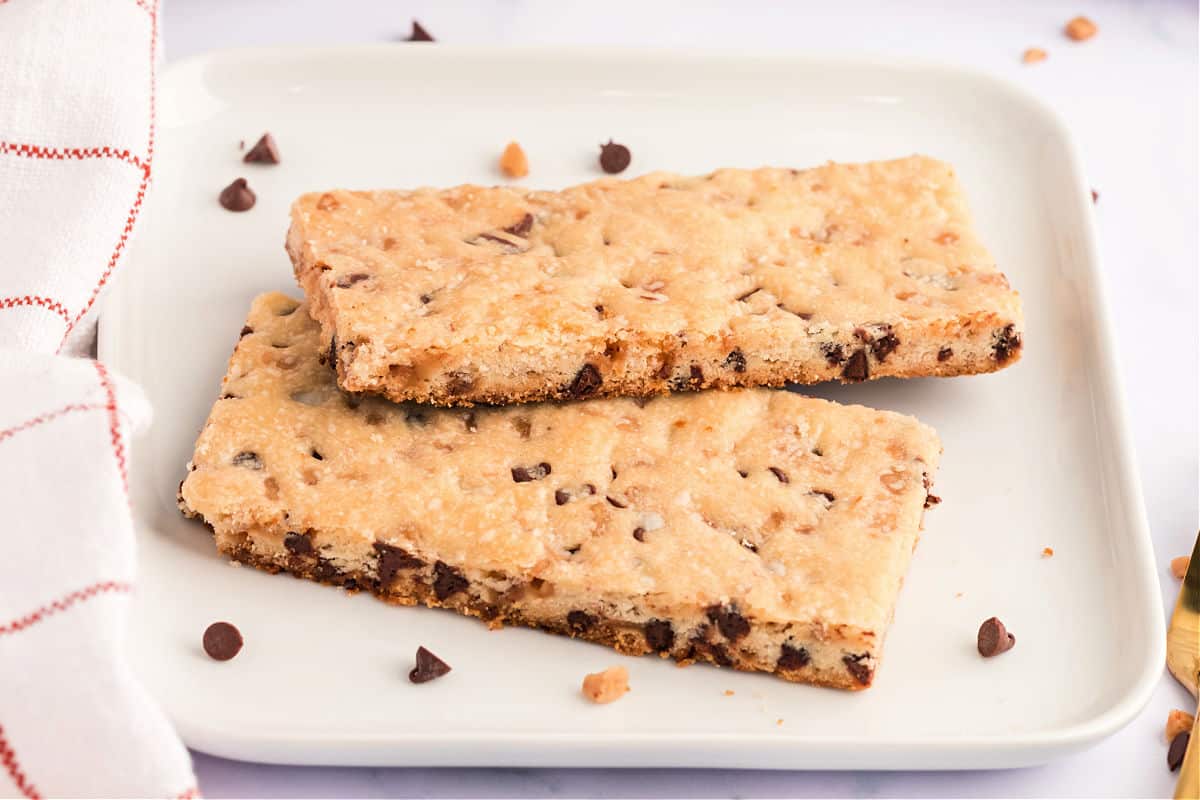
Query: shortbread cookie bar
{"x": 754, "y": 528}
{"x": 738, "y": 278}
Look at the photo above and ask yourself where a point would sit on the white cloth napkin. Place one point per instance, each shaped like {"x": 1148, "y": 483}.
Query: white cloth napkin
{"x": 76, "y": 149}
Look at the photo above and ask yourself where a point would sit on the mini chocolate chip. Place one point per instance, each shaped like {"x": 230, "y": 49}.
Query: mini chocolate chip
{"x": 743, "y": 473}
{"x": 298, "y": 544}
{"x": 639, "y": 534}
{"x": 237, "y": 196}
{"x": 729, "y": 621}
{"x": 932, "y": 500}
{"x": 1178, "y": 749}
{"x": 791, "y": 658}
{"x": 248, "y": 460}
{"x": 419, "y": 34}
{"x": 614, "y": 158}
{"x": 736, "y": 361}
{"x": 574, "y": 549}
{"x": 749, "y": 545}
{"x": 346, "y": 281}
{"x": 615, "y": 502}
{"x": 561, "y": 497}
{"x": 945, "y": 353}
{"x": 391, "y": 560}
{"x": 317, "y": 455}
{"x": 993, "y": 638}
{"x": 885, "y": 345}
{"x": 660, "y": 636}
{"x": 522, "y": 228}
{"x": 533, "y": 473}
{"x": 780, "y": 474}
{"x": 447, "y": 581}
{"x": 833, "y": 352}
{"x": 580, "y": 621}
{"x": 222, "y": 641}
{"x": 856, "y": 368}
{"x": 246, "y": 331}
{"x": 586, "y": 383}
{"x": 829, "y": 496}
{"x": 265, "y": 151}
{"x": 428, "y": 665}
{"x": 1005, "y": 342}
{"x": 855, "y": 666}
{"x": 460, "y": 383}
{"x": 426, "y": 299}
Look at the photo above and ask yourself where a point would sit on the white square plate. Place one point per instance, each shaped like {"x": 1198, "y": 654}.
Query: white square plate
{"x": 1037, "y": 455}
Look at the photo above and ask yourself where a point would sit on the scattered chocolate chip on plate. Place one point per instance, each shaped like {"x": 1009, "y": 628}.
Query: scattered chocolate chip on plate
{"x": 222, "y": 641}
{"x": 419, "y": 34}
{"x": 429, "y": 667}
{"x": 265, "y": 151}
{"x": 237, "y": 196}
{"x": 614, "y": 157}
{"x": 994, "y": 638}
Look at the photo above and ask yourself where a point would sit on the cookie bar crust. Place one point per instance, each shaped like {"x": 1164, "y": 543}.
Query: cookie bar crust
{"x": 633, "y": 288}
{"x": 755, "y": 529}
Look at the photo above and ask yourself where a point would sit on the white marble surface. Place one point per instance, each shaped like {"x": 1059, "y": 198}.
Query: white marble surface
{"x": 1130, "y": 97}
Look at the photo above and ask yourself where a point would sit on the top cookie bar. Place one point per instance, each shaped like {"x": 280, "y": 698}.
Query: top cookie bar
{"x": 737, "y": 278}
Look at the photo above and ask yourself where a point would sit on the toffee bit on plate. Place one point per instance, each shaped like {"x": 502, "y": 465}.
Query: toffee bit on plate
{"x": 606, "y": 686}
{"x": 513, "y": 161}
{"x": 1080, "y": 29}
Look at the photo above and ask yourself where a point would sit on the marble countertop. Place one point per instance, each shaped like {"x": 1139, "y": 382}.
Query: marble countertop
{"x": 1130, "y": 98}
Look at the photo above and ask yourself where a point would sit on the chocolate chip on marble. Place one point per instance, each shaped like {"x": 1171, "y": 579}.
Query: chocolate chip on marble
{"x": 859, "y": 670}
{"x": 833, "y": 352}
{"x": 247, "y": 459}
{"x": 792, "y": 658}
{"x": 391, "y": 560}
{"x": 856, "y": 368}
{"x": 780, "y": 474}
{"x": 945, "y": 353}
{"x": 237, "y": 196}
{"x": 265, "y": 151}
{"x": 729, "y": 621}
{"x": 736, "y": 361}
{"x": 586, "y": 382}
{"x": 1005, "y": 342}
{"x": 428, "y": 666}
{"x": 447, "y": 581}
{"x": 222, "y": 641}
{"x": 660, "y": 636}
{"x": 298, "y": 544}
{"x": 525, "y": 474}
{"x": 521, "y": 228}
{"x": 614, "y": 158}
{"x": 346, "y": 281}
{"x": 419, "y": 34}
{"x": 580, "y": 621}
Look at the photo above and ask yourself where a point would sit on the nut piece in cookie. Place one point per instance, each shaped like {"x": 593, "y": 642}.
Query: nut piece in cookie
{"x": 606, "y": 686}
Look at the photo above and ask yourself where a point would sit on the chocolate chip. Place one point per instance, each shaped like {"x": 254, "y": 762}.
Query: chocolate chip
{"x": 639, "y": 534}
{"x": 828, "y": 496}
{"x": 932, "y": 500}
{"x": 586, "y": 383}
{"x": 419, "y": 34}
{"x": 533, "y": 473}
{"x": 616, "y": 503}
{"x": 346, "y": 281}
{"x": 729, "y": 621}
{"x": 736, "y": 361}
{"x": 265, "y": 151}
{"x": 317, "y": 455}
{"x": 222, "y": 641}
{"x": 580, "y": 621}
{"x": 561, "y": 497}
{"x": 1178, "y": 749}
{"x": 1005, "y": 342}
{"x": 791, "y": 658}
{"x": 333, "y": 349}
{"x": 246, "y": 331}
{"x": 855, "y": 666}
{"x": 460, "y": 383}
{"x": 522, "y": 228}
{"x": 885, "y": 345}
{"x": 1095, "y": 196}
{"x": 426, "y": 299}
{"x": 856, "y": 368}
{"x": 660, "y": 636}
{"x": 248, "y": 460}
{"x": 743, "y": 473}
{"x": 237, "y": 196}
{"x": 993, "y": 638}
{"x": 428, "y": 665}
{"x": 833, "y": 352}
{"x": 945, "y": 353}
{"x": 573, "y": 549}
{"x": 391, "y": 560}
{"x": 447, "y": 581}
{"x": 780, "y": 474}
{"x": 716, "y": 652}
{"x": 614, "y": 158}
{"x": 298, "y": 544}
{"x": 325, "y": 570}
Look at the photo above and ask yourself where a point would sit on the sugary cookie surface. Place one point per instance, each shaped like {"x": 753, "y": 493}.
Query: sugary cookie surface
{"x": 745, "y": 521}
{"x": 740, "y": 277}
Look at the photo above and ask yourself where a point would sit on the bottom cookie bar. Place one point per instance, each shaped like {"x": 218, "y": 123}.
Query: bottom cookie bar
{"x": 752, "y": 529}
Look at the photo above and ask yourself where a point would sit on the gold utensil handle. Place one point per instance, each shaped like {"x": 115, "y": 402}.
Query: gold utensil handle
{"x": 1189, "y": 772}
